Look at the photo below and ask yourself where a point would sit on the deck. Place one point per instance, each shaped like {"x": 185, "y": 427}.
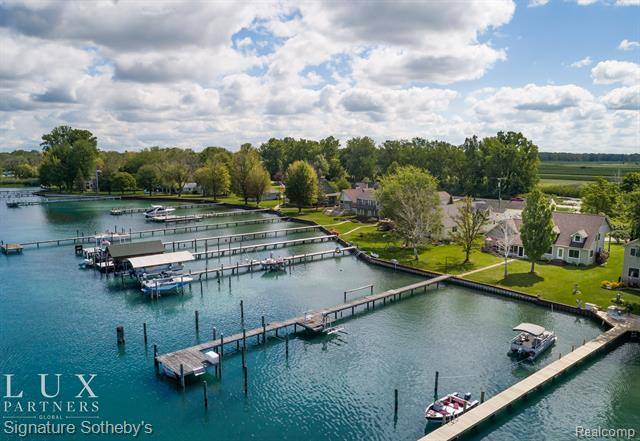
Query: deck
{"x": 192, "y": 359}
{"x": 535, "y": 381}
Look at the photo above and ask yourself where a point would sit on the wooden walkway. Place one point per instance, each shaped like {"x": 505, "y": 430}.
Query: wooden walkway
{"x": 192, "y": 360}
{"x": 262, "y": 246}
{"x": 6, "y": 194}
{"x": 55, "y": 201}
{"x": 117, "y": 211}
{"x": 82, "y": 238}
{"x": 535, "y": 381}
{"x": 238, "y": 237}
{"x": 170, "y": 218}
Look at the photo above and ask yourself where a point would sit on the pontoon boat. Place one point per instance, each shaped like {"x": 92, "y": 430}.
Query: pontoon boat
{"x": 532, "y": 341}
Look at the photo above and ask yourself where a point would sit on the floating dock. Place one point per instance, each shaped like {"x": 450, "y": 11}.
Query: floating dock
{"x": 117, "y": 211}
{"x": 262, "y": 246}
{"x": 14, "y": 204}
{"x": 466, "y": 422}
{"x": 171, "y": 218}
{"x": 192, "y": 360}
{"x": 11, "y": 248}
{"x": 10, "y": 194}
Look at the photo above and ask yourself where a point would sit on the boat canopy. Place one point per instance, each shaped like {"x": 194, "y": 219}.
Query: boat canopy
{"x": 160, "y": 259}
{"x": 135, "y": 249}
{"x": 530, "y": 328}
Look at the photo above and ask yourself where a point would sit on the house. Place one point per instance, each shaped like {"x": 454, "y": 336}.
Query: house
{"x": 450, "y": 212}
{"x": 579, "y": 238}
{"x": 190, "y": 187}
{"x": 360, "y": 201}
{"x": 327, "y": 195}
{"x": 631, "y": 264}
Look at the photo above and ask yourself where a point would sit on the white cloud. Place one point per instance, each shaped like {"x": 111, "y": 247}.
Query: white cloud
{"x": 613, "y": 71}
{"x": 627, "y": 45}
{"x": 536, "y": 3}
{"x": 586, "y": 61}
{"x": 623, "y": 98}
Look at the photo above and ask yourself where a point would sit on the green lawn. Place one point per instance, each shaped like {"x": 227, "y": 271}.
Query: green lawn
{"x": 553, "y": 282}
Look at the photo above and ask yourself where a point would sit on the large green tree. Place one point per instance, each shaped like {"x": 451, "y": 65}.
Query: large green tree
{"x": 600, "y": 196}
{"x": 410, "y": 198}
{"x": 123, "y": 181}
{"x": 214, "y": 179}
{"x": 302, "y": 184}
{"x": 359, "y": 158}
{"x": 537, "y": 233}
{"x": 258, "y": 182}
{"x": 633, "y": 213}
{"x": 469, "y": 222}
{"x": 66, "y": 135}
{"x": 244, "y": 161}
{"x": 148, "y": 177}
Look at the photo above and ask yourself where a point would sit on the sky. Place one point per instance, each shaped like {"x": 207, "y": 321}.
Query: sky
{"x": 565, "y": 73}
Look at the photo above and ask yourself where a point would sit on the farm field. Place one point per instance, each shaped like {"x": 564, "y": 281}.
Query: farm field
{"x": 567, "y": 172}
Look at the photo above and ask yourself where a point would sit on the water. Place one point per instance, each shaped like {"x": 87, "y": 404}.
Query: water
{"x": 56, "y": 318}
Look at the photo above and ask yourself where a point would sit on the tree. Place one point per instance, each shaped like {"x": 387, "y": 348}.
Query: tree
{"x": 537, "y": 233}
{"x": 630, "y": 182}
{"x": 633, "y": 213}
{"x": 244, "y": 161}
{"x": 148, "y": 177}
{"x": 123, "y": 181}
{"x": 25, "y": 170}
{"x": 506, "y": 239}
{"x": 214, "y": 179}
{"x": 410, "y": 198}
{"x": 66, "y": 135}
{"x": 258, "y": 182}
{"x": 179, "y": 175}
{"x": 600, "y": 196}
{"x": 469, "y": 222}
{"x": 302, "y": 184}
{"x": 359, "y": 158}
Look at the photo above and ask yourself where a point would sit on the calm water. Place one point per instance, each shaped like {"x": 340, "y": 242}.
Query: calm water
{"x": 55, "y": 318}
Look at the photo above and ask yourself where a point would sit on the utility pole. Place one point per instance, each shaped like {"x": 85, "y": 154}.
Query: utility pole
{"x": 500, "y": 193}
{"x": 98, "y": 171}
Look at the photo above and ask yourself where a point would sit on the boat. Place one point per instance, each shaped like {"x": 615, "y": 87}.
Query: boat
{"x": 158, "y": 210}
{"x": 111, "y": 236}
{"x": 273, "y": 264}
{"x": 168, "y": 284}
{"x": 449, "y": 406}
{"x": 532, "y": 341}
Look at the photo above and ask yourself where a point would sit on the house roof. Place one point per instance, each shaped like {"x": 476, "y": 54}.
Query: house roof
{"x": 566, "y": 225}
{"x": 160, "y": 259}
{"x": 633, "y": 242}
{"x": 501, "y": 206}
{"x": 353, "y": 194}
{"x": 134, "y": 249}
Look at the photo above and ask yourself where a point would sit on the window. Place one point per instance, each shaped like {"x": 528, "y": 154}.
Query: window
{"x": 550, "y": 250}
{"x": 560, "y": 252}
{"x": 598, "y": 236}
{"x": 634, "y": 272}
{"x": 576, "y": 238}
{"x": 454, "y": 229}
{"x": 591, "y": 253}
{"x": 574, "y": 254}
{"x": 633, "y": 251}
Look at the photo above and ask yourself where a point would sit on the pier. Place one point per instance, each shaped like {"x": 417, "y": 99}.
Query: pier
{"x": 505, "y": 399}
{"x": 117, "y": 211}
{"x": 14, "y": 204}
{"x": 191, "y": 361}
{"x": 82, "y": 238}
{"x": 6, "y": 194}
{"x": 170, "y": 218}
{"x": 262, "y": 246}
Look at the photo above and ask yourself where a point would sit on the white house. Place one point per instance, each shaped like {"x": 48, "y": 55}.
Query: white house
{"x": 631, "y": 263}
{"x": 579, "y": 238}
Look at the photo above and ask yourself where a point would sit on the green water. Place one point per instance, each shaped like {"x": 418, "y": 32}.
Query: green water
{"x": 55, "y": 318}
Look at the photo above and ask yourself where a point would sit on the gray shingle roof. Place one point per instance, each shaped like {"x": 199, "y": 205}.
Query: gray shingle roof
{"x": 125, "y": 250}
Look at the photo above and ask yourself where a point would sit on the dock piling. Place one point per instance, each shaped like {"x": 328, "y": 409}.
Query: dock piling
{"x": 197, "y": 321}
{"x": 182, "y": 375}
{"x": 155, "y": 357}
{"x": 395, "y": 403}
{"x": 286, "y": 345}
{"x": 241, "y": 311}
{"x": 206, "y": 395}
{"x": 435, "y": 387}
{"x": 481, "y": 396}
{"x": 120, "y": 335}
{"x": 245, "y": 374}
{"x": 144, "y": 330}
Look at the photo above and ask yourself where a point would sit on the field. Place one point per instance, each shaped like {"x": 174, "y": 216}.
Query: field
{"x": 567, "y": 178}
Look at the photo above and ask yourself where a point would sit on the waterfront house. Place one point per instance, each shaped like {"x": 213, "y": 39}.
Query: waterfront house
{"x": 327, "y": 194}
{"x": 360, "y": 201}
{"x": 631, "y": 264}
{"x": 579, "y": 238}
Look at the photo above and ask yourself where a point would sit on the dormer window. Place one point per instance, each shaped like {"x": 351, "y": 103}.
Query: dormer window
{"x": 577, "y": 238}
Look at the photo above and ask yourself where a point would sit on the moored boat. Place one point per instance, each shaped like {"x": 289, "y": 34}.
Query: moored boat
{"x": 449, "y": 406}
{"x": 273, "y": 264}
{"x": 158, "y": 210}
{"x": 531, "y": 341}
{"x": 168, "y": 284}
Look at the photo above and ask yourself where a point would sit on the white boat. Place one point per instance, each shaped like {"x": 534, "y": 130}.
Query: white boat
{"x": 532, "y": 341}
{"x": 273, "y": 264}
{"x": 158, "y": 210}
{"x": 111, "y": 236}
{"x": 157, "y": 286}
{"x": 449, "y": 407}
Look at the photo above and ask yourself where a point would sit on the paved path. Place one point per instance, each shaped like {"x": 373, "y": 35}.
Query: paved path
{"x": 484, "y": 268}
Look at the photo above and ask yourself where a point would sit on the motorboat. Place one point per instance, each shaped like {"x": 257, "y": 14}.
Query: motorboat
{"x": 160, "y": 271}
{"x": 449, "y": 407}
{"x": 158, "y": 210}
{"x": 168, "y": 284}
{"x": 273, "y": 264}
{"x": 112, "y": 236}
{"x": 531, "y": 341}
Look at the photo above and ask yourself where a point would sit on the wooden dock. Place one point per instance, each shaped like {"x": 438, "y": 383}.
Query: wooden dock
{"x": 238, "y": 237}
{"x": 56, "y": 201}
{"x": 10, "y": 194}
{"x": 191, "y": 360}
{"x": 117, "y": 211}
{"x": 262, "y": 246}
{"x": 82, "y": 238}
{"x": 505, "y": 399}
{"x": 170, "y": 218}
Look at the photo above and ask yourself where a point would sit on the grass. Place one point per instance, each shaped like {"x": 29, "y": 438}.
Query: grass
{"x": 556, "y": 283}
{"x": 579, "y": 173}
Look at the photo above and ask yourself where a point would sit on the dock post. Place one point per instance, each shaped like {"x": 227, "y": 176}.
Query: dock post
{"x": 286, "y": 345}
{"x": 144, "y": 330}
{"x": 120, "y": 334}
{"x": 206, "y": 395}
{"x": 241, "y": 312}
{"x": 264, "y": 332}
{"x": 481, "y": 396}
{"x": 221, "y": 345}
{"x": 214, "y": 333}
{"x": 244, "y": 372}
{"x": 155, "y": 357}
{"x": 182, "y": 375}
{"x": 395, "y": 404}
{"x": 197, "y": 321}
{"x": 435, "y": 387}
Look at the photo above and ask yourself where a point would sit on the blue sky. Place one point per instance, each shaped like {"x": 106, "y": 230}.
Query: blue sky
{"x": 195, "y": 74}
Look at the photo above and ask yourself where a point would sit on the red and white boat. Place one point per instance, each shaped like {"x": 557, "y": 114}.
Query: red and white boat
{"x": 449, "y": 407}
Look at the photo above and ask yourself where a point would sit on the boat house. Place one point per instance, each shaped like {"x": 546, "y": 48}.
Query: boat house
{"x": 120, "y": 252}
{"x": 156, "y": 263}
